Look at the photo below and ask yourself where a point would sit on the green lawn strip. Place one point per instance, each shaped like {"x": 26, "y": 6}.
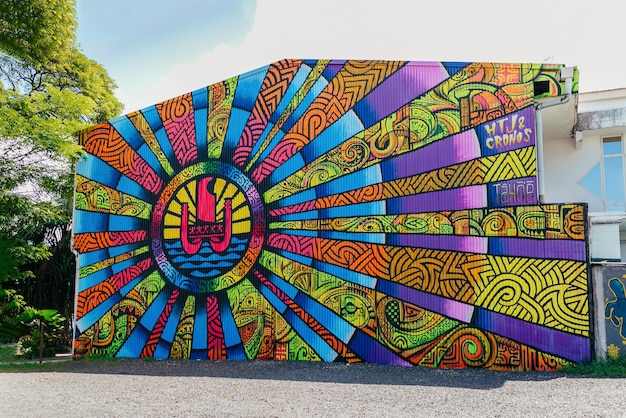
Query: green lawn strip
{"x": 10, "y": 361}
{"x": 610, "y": 367}
{"x": 8, "y": 352}
{"x": 31, "y": 366}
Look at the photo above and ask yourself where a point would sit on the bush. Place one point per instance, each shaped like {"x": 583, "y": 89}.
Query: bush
{"x": 27, "y": 326}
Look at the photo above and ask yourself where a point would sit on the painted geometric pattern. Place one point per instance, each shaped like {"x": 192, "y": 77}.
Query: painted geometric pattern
{"x": 356, "y": 211}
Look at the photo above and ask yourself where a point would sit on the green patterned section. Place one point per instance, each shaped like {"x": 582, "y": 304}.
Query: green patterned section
{"x": 263, "y": 331}
{"x": 95, "y": 197}
{"x": 298, "y": 349}
{"x": 110, "y": 332}
{"x": 100, "y": 265}
{"x": 418, "y": 223}
{"x": 181, "y": 346}
{"x": 352, "y": 302}
{"x": 406, "y": 328}
{"x": 538, "y": 222}
{"x": 248, "y": 308}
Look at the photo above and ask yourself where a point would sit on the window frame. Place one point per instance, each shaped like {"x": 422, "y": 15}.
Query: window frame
{"x": 606, "y": 158}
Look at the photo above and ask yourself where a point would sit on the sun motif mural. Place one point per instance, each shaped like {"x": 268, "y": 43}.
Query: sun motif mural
{"x": 202, "y": 228}
{"x": 355, "y": 211}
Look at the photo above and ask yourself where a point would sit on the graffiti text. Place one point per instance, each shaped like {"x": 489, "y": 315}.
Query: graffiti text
{"x": 507, "y": 131}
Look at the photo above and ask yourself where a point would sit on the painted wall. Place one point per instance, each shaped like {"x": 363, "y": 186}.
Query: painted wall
{"x": 357, "y": 211}
{"x": 611, "y": 300}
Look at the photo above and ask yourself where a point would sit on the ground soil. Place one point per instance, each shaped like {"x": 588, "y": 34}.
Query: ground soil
{"x": 185, "y": 388}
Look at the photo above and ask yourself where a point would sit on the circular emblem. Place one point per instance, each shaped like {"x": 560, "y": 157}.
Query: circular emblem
{"x": 207, "y": 227}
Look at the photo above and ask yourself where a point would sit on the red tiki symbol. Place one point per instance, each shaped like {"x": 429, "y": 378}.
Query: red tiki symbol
{"x": 218, "y": 234}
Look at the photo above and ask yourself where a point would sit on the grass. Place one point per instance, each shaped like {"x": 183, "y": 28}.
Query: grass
{"x": 610, "y": 367}
{"x": 11, "y": 362}
{"x": 8, "y": 352}
{"x": 30, "y": 366}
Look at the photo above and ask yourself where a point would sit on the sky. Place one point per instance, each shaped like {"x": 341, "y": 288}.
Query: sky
{"x": 159, "y": 49}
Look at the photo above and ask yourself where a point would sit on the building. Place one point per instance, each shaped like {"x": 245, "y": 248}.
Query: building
{"x": 338, "y": 210}
{"x": 584, "y": 155}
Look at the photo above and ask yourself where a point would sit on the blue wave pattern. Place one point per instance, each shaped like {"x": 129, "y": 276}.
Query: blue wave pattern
{"x": 206, "y": 263}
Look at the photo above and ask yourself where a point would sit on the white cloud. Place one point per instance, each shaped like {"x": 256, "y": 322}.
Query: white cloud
{"x": 219, "y": 64}
{"x": 456, "y": 30}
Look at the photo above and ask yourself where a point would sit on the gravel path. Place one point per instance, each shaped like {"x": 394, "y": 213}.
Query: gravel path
{"x": 170, "y": 388}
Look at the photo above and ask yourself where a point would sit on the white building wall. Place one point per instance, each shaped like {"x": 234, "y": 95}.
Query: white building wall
{"x": 622, "y": 246}
{"x": 566, "y": 165}
{"x": 567, "y": 162}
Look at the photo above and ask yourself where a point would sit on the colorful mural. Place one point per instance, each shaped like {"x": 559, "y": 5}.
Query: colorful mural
{"x": 614, "y": 289}
{"x": 355, "y": 211}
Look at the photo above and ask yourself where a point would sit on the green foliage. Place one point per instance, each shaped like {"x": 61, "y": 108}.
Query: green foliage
{"x": 22, "y": 323}
{"x": 19, "y": 219}
{"x": 49, "y": 90}
{"x": 49, "y": 285}
{"x": 11, "y": 306}
{"x": 29, "y": 344}
{"x": 610, "y": 367}
{"x": 37, "y": 30}
{"x": 8, "y": 352}
{"x": 11, "y": 362}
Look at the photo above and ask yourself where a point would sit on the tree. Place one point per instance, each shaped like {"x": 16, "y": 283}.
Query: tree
{"x": 38, "y": 31}
{"x": 49, "y": 90}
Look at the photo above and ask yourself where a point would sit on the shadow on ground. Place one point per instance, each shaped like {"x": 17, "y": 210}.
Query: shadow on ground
{"x": 303, "y": 371}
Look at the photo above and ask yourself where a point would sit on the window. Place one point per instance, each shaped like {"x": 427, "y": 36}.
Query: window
{"x": 606, "y": 179}
{"x": 613, "y": 165}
